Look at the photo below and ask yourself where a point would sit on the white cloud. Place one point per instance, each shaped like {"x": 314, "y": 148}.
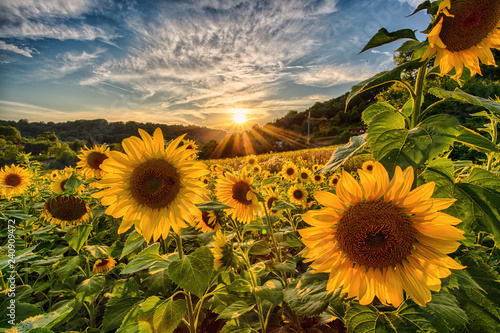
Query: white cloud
{"x": 48, "y": 19}
{"x": 333, "y": 75}
{"x": 413, "y": 3}
{"x": 9, "y": 47}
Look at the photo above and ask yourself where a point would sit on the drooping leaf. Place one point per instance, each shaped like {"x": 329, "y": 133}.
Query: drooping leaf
{"x": 393, "y": 75}
{"x": 144, "y": 260}
{"x": 78, "y": 235}
{"x": 464, "y": 97}
{"x": 67, "y": 266}
{"x": 193, "y": 271}
{"x": 168, "y": 315}
{"x": 270, "y": 180}
{"x": 383, "y": 37}
{"x": 476, "y": 141}
{"x": 344, "y": 153}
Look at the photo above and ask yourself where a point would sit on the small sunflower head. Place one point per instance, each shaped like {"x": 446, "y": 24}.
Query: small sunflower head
{"x": 104, "y": 265}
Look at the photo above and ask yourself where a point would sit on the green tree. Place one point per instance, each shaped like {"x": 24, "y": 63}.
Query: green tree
{"x": 47, "y": 136}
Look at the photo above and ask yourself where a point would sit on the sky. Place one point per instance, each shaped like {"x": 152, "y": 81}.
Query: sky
{"x": 191, "y": 62}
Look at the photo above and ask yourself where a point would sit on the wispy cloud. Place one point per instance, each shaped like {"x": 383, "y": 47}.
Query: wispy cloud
{"x": 50, "y": 19}
{"x": 27, "y": 52}
{"x": 333, "y": 75}
{"x": 413, "y": 3}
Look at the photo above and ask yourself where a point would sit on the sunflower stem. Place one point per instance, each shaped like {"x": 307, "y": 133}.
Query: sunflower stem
{"x": 419, "y": 94}
{"x": 276, "y": 248}
{"x": 187, "y": 294}
{"x": 494, "y": 138}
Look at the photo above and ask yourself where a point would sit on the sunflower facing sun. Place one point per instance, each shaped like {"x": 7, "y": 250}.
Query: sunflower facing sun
{"x": 152, "y": 186}
{"x": 382, "y": 238}
{"x": 237, "y": 192}
{"x": 465, "y": 33}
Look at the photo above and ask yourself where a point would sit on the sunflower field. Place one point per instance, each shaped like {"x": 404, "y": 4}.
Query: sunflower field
{"x": 384, "y": 234}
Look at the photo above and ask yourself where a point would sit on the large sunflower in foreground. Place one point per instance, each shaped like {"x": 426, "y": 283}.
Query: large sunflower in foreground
{"x": 14, "y": 180}
{"x": 465, "y": 33}
{"x": 66, "y": 209}
{"x": 382, "y": 238}
{"x": 152, "y": 186}
{"x": 91, "y": 160}
{"x": 237, "y": 192}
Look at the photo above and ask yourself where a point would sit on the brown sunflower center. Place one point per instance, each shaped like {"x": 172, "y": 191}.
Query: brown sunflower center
{"x": 103, "y": 263}
{"x": 473, "y": 20}
{"x": 298, "y": 194}
{"x": 317, "y": 178}
{"x": 240, "y": 190}
{"x": 155, "y": 183}
{"x": 62, "y": 185}
{"x": 369, "y": 167}
{"x": 304, "y": 175}
{"x": 94, "y": 160}
{"x": 270, "y": 201}
{"x": 13, "y": 180}
{"x": 290, "y": 171}
{"x": 335, "y": 181}
{"x": 66, "y": 208}
{"x": 211, "y": 223}
{"x": 376, "y": 234}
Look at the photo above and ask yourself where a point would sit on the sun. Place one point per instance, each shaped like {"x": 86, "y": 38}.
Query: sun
{"x": 239, "y": 116}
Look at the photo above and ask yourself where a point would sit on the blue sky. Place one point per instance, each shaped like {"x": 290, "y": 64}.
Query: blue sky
{"x": 187, "y": 61}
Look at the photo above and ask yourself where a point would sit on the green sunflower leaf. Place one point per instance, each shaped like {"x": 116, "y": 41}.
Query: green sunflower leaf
{"x": 235, "y": 310}
{"x": 478, "y": 198}
{"x": 124, "y": 297}
{"x": 89, "y": 289}
{"x": 362, "y": 319}
{"x": 476, "y": 141}
{"x": 47, "y": 320}
{"x": 483, "y": 314}
{"x": 344, "y": 153}
{"x": 168, "y": 315}
{"x": 464, "y": 97}
{"x": 394, "y": 145}
{"x": 211, "y": 205}
{"x": 193, "y": 272}
{"x": 134, "y": 242}
{"x": 271, "y": 291}
{"x": 381, "y": 78}
{"x": 375, "y": 109}
{"x": 78, "y": 235}
{"x": 383, "y": 37}
{"x": 308, "y": 296}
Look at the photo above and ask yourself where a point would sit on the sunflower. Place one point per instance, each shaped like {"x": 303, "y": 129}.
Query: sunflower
{"x": 152, "y": 186}
{"x": 14, "y": 180}
{"x": 222, "y": 250}
{"x": 58, "y": 184}
{"x": 298, "y": 194}
{"x": 91, "y": 161}
{"x": 66, "y": 209}
{"x": 334, "y": 179}
{"x": 382, "y": 238}
{"x": 251, "y": 160}
{"x": 208, "y": 221}
{"x": 318, "y": 178}
{"x": 289, "y": 171}
{"x": 271, "y": 195}
{"x": 104, "y": 265}
{"x": 256, "y": 169}
{"x": 465, "y": 33}
{"x": 237, "y": 192}
{"x": 367, "y": 166}
{"x": 316, "y": 167}
{"x": 304, "y": 175}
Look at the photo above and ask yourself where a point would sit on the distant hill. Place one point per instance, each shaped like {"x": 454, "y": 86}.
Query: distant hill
{"x": 101, "y": 131}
